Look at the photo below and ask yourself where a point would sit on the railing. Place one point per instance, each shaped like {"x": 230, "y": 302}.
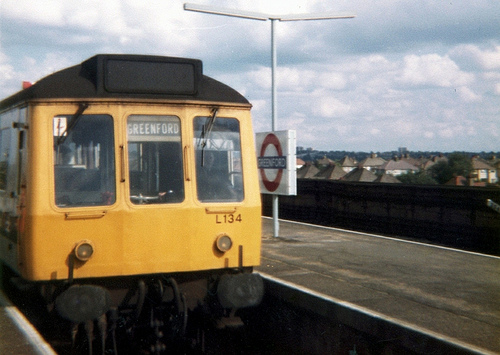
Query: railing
{"x": 459, "y": 217}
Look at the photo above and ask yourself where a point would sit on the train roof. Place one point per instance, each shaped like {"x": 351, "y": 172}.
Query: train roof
{"x": 130, "y": 76}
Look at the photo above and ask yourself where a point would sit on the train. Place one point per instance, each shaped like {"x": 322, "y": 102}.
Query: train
{"x": 130, "y": 200}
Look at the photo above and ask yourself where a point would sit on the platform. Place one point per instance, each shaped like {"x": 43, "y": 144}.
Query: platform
{"x": 17, "y": 335}
{"x": 448, "y": 292}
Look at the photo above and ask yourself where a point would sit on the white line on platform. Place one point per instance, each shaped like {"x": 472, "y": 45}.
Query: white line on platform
{"x": 31, "y": 334}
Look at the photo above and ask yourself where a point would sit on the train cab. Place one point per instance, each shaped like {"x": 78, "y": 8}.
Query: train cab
{"x": 130, "y": 168}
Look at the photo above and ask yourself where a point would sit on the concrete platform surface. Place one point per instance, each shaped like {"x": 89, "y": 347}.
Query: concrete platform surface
{"x": 17, "y": 335}
{"x": 446, "y": 291}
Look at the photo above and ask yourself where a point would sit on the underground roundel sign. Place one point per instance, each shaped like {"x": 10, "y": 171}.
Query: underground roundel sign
{"x": 276, "y": 162}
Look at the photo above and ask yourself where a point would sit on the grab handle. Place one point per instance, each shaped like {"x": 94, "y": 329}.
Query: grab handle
{"x": 122, "y": 163}
{"x": 85, "y": 215}
{"x": 186, "y": 168}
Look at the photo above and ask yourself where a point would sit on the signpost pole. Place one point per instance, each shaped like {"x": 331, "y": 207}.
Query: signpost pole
{"x": 276, "y": 225}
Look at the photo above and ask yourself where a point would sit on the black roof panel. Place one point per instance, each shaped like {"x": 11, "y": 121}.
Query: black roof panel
{"x": 130, "y": 76}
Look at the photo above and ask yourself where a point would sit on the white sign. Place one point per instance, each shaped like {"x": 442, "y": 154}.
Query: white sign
{"x": 276, "y": 161}
{"x": 60, "y": 125}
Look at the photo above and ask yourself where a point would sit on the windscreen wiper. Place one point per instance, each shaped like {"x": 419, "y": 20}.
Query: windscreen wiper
{"x": 205, "y": 133}
{"x": 74, "y": 120}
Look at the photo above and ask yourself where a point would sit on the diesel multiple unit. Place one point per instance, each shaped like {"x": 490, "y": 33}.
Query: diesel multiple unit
{"x": 129, "y": 195}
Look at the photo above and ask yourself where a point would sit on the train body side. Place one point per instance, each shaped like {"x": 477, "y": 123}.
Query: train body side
{"x": 13, "y": 165}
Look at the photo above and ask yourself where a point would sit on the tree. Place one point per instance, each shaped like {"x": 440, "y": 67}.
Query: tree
{"x": 419, "y": 178}
{"x": 457, "y": 165}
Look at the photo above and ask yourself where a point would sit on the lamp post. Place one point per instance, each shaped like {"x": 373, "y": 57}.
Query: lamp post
{"x": 264, "y": 17}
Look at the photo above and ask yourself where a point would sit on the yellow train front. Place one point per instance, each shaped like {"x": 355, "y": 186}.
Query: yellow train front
{"x": 129, "y": 191}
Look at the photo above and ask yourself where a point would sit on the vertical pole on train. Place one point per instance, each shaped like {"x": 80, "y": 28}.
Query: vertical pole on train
{"x": 276, "y": 225}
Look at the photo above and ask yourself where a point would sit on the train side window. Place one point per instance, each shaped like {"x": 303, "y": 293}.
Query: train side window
{"x": 84, "y": 161}
{"x": 4, "y": 157}
{"x": 218, "y": 159}
{"x": 156, "y": 173}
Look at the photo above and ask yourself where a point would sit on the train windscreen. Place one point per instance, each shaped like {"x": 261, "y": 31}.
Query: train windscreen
{"x": 84, "y": 163}
{"x": 155, "y": 159}
{"x": 218, "y": 159}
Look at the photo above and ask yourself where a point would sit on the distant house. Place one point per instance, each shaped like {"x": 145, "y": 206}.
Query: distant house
{"x": 433, "y": 160}
{"x": 307, "y": 171}
{"x": 463, "y": 181}
{"x": 387, "y": 179}
{"x": 495, "y": 162}
{"x": 348, "y": 164}
{"x": 300, "y": 163}
{"x": 360, "y": 175}
{"x": 484, "y": 171}
{"x": 372, "y": 162}
{"x": 324, "y": 161}
{"x": 396, "y": 167}
{"x": 418, "y": 162}
{"x": 426, "y": 165}
{"x": 332, "y": 172}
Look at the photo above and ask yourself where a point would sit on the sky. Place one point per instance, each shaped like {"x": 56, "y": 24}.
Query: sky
{"x": 424, "y": 74}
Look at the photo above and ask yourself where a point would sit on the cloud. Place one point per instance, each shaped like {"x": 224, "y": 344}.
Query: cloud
{"x": 497, "y": 88}
{"x": 330, "y": 80}
{"x": 429, "y": 134}
{"x": 494, "y": 130}
{"x": 433, "y": 70}
{"x": 468, "y": 95}
{"x": 260, "y": 77}
{"x": 6, "y": 70}
{"x": 330, "y": 107}
{"x": 458, "y": 131}
{"x": 428, "y": 72}
{"x": 469, "y": 54}
{"x": 300, "y": 79}
{"x": 45, "y": 12}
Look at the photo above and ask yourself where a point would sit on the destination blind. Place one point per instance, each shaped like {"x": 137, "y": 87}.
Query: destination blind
{"x": 150, "y": 128}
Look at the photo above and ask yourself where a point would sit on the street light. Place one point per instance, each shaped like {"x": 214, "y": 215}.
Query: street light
{"x": 264, "y": 17}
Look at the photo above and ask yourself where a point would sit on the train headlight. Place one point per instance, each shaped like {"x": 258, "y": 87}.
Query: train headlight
{"x": 223, "y": 243}
{"x": 84, "y": 250}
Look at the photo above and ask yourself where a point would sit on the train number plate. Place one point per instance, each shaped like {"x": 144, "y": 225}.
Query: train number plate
{"x": 228, "y": 218}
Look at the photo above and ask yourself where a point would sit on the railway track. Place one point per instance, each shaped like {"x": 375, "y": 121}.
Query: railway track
{"x": 290, "y": 320}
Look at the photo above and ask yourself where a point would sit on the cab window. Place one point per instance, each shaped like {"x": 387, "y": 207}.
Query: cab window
{"x": 84, "y": 163}
{"x": 218, "y": 159}
{"x": 156, "y": 172}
